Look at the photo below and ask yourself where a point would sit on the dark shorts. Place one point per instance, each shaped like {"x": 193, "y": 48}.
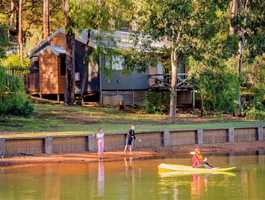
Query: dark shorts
{"x": 129, "y": 141}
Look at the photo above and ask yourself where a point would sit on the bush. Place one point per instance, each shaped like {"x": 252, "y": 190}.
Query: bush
{"x": 13, "y": 98}
{"x": 12, "y": 62}
{"x": 217, "y": 89}
{"x": 156, "y": 101}
{"x": 255, "y": 114}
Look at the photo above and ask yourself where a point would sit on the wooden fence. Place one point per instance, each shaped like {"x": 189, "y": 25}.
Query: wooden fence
{"x": 229, "y": 140}
{"x": 16, "y": 71}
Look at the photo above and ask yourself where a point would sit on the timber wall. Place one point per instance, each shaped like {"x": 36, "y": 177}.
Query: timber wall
{"x": 144, "y": 140}
{"x": 49, "y": 75}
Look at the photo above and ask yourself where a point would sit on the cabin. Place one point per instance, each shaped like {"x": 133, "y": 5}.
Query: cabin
{"x": 48, "y": 66}
{"x": 92, "y": 83}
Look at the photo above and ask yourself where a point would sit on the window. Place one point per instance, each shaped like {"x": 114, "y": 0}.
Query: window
{"x": 62, "y": 64}
{"x": 117, "y": 62}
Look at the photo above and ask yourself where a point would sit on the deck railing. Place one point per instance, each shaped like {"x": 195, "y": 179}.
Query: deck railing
{"x": 164, "y": 80}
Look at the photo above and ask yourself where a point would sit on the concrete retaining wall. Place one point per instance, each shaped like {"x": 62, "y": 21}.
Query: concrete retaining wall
{"x": 144, "y": 140}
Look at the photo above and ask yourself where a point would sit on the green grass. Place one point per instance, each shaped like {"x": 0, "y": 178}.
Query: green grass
{"x": 50, "y": 119}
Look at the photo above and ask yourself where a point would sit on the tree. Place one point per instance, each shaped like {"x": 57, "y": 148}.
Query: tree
{"x": 247, "y": 25}
{"x": 182, "y": 24}
{"x": 12, "y": 16}
{"x": 20, "y": 36}
{"x": 46, "y": 22}
{"x": 69, "y": 89}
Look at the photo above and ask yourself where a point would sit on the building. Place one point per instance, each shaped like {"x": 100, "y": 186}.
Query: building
{"x": 47, "y": 71}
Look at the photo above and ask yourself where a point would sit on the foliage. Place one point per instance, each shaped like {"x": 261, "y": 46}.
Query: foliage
{"x": 255, "y": 83}
{"x": 217, "y": 87}
{"x": 12, "y": 62}
{"x": 32, "y": 19}
{"x": 156, "y": 102}
{"x": 183, "y": 27}
{"x": 13, "y": 99}
{"x": 255, "y": 114}
{"x": 139, "y": 61}
{"x": 101, "y": 15}
{"x": 249, "y": 26}
{"x": 3, "y": 39}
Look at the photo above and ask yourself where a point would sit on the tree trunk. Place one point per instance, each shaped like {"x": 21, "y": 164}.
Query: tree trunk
{"x": 240, "y": 65}
{"x": 84, "y": 79}
{"x": 234, "y": 30}
{"x": 11, "y": 17}
{"x": 12, "y": 14}
{"x": 69, "y": 89}
{"x": 234, "y": 6}
{"x": 20, "y": 39}
{"x": 202, "y": 106}
{"x": 46, "y": 27}
{"x": 173, "y": 91}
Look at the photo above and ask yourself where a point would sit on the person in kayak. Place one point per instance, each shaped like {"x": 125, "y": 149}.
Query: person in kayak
{"x": 198, "y": 160}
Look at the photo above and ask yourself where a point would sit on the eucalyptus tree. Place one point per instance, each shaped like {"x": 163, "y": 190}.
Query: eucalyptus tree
{"x": 247, "y": 25}
{"x": 20, "y": 36}
{"x": 183, "y": 25}
{"x": 46, "y": 21}
{"x": 69, "y": 82}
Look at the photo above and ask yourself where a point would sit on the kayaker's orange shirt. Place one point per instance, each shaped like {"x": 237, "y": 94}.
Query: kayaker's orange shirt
{"x": 196, "y": 160}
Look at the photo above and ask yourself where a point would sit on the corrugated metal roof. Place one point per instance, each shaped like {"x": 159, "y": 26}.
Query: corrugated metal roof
{"x": 119, "y": 39}
{"x": 44, "y": 43}
{"x": 57, "y": 50}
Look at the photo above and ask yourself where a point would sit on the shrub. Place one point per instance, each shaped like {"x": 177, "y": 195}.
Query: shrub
{"x": 13, "y": 98}
{"x": 12, "y": 62}
{"x": 217, "y": 89}
{"x": 156, "y": 101}
{"x": 255, "y": 114}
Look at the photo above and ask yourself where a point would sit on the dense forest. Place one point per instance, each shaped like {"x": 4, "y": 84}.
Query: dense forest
{"x": 221, "y": 42}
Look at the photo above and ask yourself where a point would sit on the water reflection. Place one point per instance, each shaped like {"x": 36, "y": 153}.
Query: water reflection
{"x": 101, "y": 179}
{"x": 130, "y": 175}
{"x": 52, "y": 193}
{"x": 198, "y": 185}
{"x": 133, "y": 179}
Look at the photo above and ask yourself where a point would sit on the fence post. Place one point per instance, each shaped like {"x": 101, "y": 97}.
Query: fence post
{"x": 199, "y": 136}
{"x": 166, "y": 138}
{"x": 231, "y": 135}
{"x": 91, "y": 141}
{"x": 48, "y": 145}
{"x": 260, "y": 134}
{"x": 2, "y": 147}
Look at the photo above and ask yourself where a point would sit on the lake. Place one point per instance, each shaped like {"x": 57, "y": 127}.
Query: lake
{"x": 134, "y": 180}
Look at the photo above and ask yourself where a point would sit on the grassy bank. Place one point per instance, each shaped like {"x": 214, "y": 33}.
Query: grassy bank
{"x": 57, "y": 119}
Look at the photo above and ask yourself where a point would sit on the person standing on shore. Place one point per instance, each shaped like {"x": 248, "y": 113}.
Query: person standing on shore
{"x": 100, "y": 140}
{"x": 130, "y": 138}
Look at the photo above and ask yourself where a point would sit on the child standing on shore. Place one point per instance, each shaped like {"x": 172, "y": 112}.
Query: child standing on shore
{"x": 130, "y": 139}
{"x": 100, "y": 139}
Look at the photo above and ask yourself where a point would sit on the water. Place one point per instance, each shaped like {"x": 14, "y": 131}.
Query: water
{"x": 134, "y": 180}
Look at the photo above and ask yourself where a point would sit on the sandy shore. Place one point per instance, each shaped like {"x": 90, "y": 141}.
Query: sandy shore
{"x": 76, "y": 158}
{"x": 179, "y": 151}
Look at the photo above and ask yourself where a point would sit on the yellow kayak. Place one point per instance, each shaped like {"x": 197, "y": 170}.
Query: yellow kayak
{"x": 190, "y": 170}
